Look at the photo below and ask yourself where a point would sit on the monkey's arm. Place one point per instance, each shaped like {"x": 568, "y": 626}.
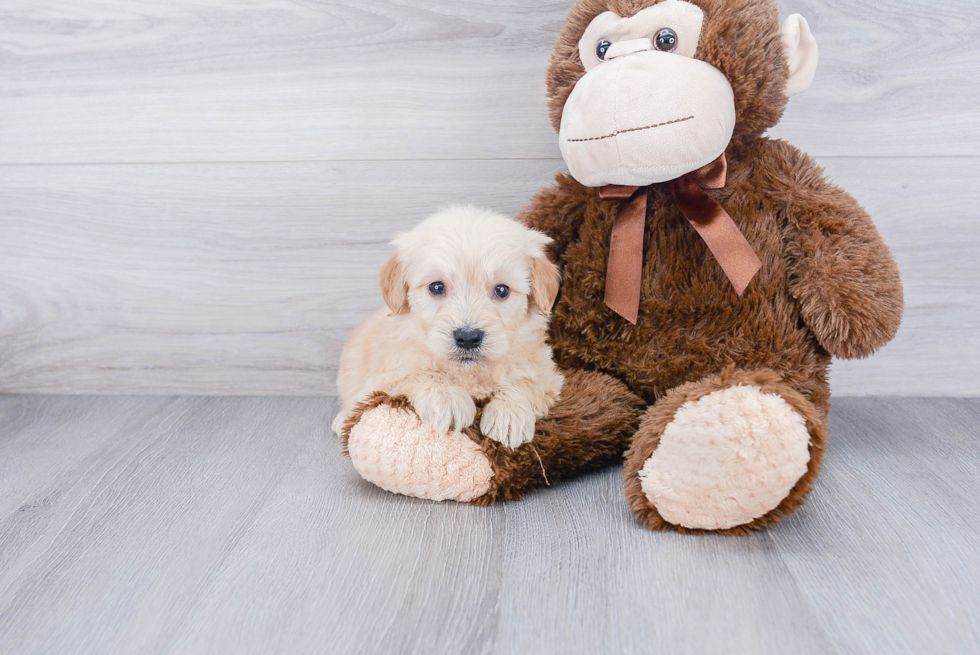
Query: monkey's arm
{"x": 840, "y": 271}
{"x": 558, "y": 211}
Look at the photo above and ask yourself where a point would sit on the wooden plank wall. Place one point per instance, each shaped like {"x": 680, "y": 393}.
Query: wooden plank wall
{"x": 195, "y": 196}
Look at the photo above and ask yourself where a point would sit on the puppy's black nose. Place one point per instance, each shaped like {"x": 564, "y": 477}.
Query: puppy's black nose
{"x": 468, "y": 338}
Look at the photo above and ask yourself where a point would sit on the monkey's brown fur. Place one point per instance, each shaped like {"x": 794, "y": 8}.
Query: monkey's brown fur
{"x": 828, "y": 284}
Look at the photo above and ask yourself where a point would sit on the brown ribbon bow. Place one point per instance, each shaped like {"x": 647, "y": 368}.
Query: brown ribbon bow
{"x": 624, "y": 270}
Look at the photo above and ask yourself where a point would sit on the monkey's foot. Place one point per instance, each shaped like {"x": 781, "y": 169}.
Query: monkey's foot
{"x": 393, "y": 449}
{"x": 730, "y": 453}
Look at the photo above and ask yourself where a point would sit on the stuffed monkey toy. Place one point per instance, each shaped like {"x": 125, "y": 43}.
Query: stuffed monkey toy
{"x": 709, "y": 274}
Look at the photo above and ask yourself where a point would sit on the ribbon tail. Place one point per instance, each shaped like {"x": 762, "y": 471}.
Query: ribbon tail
{"x": 726, "y": 242}
{"x": 624, "y": 270}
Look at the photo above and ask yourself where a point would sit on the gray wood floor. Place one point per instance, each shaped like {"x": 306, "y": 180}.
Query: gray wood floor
{"x": 234, "y": 525}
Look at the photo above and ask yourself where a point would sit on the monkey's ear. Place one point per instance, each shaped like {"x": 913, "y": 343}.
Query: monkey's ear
{"x": 545, "y": 282}
{"x": 393, "y": 286}
{"x": 801, "y": 49}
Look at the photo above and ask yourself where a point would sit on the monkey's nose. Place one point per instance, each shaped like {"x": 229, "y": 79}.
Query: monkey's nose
{"x": 468, "y": 338}
{"x": 623, "y": 48}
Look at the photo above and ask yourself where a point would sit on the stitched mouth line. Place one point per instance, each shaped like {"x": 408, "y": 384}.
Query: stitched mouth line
{"x": 632, "y": 129}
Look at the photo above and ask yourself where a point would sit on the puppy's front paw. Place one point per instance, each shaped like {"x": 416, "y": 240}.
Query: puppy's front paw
{"x": 445, "y": 408}
{"x": 338, "y": 422}
{"x": 508, "y": 421}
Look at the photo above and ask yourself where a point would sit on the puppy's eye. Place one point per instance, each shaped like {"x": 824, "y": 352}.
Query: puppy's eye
{"x": 501, "y": 291}
{"x": 601, "y": 48}
{"x": 666, "y": 40}
{"x": 437, "y": 289}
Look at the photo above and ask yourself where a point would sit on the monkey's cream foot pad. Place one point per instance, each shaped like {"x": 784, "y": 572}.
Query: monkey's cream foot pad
{"x": 726, "y": 459}
{"x": 393, "y": 449}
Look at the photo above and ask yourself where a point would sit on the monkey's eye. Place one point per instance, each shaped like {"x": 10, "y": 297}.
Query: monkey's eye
{"x": 437, "y": 289}
{"x": 666, "y": 40}
{"x": 501, "y": 291}
{"x": 601, "y": 48}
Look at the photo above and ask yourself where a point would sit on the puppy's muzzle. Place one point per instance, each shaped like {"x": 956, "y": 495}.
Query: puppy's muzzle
{"x": 468, "y": 338}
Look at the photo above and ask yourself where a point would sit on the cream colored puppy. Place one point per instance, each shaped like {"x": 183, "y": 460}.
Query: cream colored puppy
{"x": 468, "y": 294}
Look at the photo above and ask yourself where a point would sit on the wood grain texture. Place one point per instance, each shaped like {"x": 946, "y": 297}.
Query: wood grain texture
{"x": 195, "y": 196}
{"x": 234, "y": 525}
{"x": 142, "y": 519}
{"x": 895, "y": 515}
{"x": 152, "y": 80}
{"x": 209, "y": 278}
{"x": 247, "y": 279}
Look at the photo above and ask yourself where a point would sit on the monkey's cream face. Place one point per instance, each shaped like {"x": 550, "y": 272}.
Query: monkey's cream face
{"x": 645, "y": 111}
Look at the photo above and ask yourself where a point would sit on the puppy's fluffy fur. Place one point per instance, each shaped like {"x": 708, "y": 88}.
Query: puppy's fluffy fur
{"x": 411, "y": 349}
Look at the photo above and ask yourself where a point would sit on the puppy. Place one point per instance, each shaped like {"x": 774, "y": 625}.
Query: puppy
{"x": 468, "y": 294}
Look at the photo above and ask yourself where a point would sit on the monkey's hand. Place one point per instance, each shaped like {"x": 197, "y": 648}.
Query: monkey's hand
{"x": 841, "y": 273}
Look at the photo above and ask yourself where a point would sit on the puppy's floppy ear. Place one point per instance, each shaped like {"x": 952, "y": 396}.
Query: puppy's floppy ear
{"x": 394, "y": 289}
{"x": 545, "y": 281}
